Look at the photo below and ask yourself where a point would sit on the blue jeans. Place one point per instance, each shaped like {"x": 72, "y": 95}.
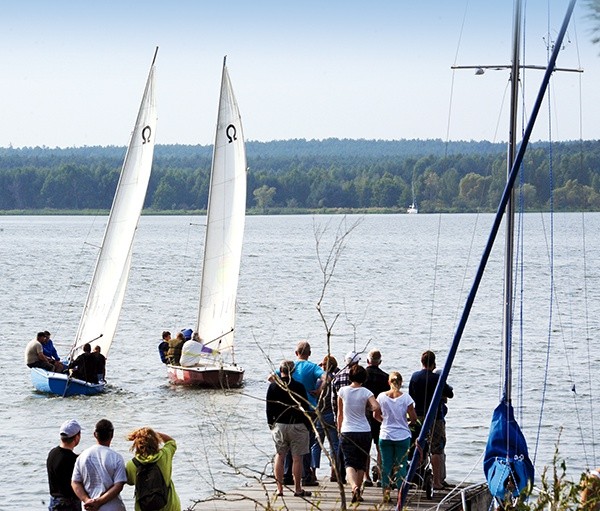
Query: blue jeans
{"x": 64, "y": 504}
{"x": 325, "y": 427}
{"x": 394, "y": 461}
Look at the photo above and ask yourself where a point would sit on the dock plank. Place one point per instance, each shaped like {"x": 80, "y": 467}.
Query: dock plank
{"x": 327, "y": 497}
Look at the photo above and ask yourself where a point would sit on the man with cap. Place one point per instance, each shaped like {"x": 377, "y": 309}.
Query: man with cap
{"x": 99, "y": 474}
{"x": 341, "y": 379}
{"x": 59, "y": 464}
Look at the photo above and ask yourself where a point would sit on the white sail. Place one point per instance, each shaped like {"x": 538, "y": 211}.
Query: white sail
{"x": 107, "y": 290}
{"x": 225, "y": 226}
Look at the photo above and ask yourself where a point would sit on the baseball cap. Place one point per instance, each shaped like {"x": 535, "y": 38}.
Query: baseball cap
{"x": 352, "y": 358}
{"x": 69, "y": 428}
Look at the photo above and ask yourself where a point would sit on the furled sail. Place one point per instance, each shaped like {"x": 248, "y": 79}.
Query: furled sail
{"x": 506, "y": 464}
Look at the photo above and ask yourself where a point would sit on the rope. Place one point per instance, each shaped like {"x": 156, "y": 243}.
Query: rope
{"x": 589, "y": 351}
{"x": 550, "y": 309}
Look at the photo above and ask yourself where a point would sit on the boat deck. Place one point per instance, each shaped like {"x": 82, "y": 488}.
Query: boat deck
{"x": 326, "y": 497}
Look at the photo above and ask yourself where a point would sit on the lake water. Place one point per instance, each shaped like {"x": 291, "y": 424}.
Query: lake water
{"x": 399, "y": 285}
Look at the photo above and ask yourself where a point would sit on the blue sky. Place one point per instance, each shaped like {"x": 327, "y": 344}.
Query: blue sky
{"x": 73, "y": 71}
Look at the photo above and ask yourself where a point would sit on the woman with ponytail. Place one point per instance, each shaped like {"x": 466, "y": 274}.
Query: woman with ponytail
{"x": 395, "y": 435}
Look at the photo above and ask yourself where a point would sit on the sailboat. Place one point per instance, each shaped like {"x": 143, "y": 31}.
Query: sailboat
{"x": 211, "y": 362}
{"x": 507, "y": 467}
{"x": 104, "y": 300}
{"x": 413, "y": 209}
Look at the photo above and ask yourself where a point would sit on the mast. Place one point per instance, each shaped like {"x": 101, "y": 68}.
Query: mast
{"x": 506, "y": 196}
{"x": 510, "y": 208}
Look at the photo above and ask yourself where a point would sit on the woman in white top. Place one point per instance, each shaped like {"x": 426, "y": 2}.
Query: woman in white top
{"x": 395, "y": 435}
{"x": 355, "y": 430}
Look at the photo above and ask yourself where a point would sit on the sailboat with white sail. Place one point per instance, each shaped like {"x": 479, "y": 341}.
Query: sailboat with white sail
{"x": 107, "y": 290}
{"x": 413, "y": 209}
{"x": 209, "y": 361}
{"x": 507, "y": 467}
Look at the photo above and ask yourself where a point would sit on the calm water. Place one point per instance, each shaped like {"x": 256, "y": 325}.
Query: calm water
{"x": 399, "y": 285}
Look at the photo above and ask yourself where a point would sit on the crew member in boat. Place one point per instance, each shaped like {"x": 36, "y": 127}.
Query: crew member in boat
{"x": 84, "y": 367}
{"x": 194, "y": 350}
{"x": 51, "y": 353}
{"x": 100, "y": 363}
{"x": 34, "y": 354}
{"x": 163, "y": 347}
{"x": 175, "y": 346}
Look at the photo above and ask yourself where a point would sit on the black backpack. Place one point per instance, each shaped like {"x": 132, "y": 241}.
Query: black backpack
{"x": 151, "y": 491}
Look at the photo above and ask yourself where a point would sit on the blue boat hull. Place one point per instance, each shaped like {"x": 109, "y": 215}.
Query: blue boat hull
{"x": 61, "y": 385}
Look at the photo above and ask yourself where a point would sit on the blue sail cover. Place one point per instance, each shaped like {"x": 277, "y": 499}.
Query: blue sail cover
{"x": 507, "y": 466}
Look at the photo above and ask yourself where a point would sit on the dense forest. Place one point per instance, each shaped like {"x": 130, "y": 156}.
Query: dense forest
{"x": 296, "y": 175}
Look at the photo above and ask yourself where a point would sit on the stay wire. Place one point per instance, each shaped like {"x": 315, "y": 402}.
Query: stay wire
{"x": 551, "y": 302}
{"x": 588, "y": 337}
{"x": 589, "y": 351}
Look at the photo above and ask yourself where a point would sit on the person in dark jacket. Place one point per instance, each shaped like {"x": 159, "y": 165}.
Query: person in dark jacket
{"x": 163, "y": 347}
{"x": 377, "y": 382}
{"x": 287, "y": 416}
{"x": 421, "y": 388}
{"x": 85, "y": 366}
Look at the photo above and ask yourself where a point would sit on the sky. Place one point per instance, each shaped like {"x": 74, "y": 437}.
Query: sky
{"x": 73, "y": 71}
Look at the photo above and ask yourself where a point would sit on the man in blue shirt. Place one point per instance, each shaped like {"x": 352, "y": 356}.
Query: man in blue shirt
{"x": 50, "y": 351}
{"x": 312, "y": 377}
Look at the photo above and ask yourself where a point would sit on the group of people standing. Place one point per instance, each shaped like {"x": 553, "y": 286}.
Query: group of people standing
{"x": 353, "y": 407}
{"x": 95, "y": 478}
{"x": 89, "y": 366}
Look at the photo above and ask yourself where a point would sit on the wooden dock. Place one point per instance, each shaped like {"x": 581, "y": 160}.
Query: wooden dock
{"x": 326, "y": 497}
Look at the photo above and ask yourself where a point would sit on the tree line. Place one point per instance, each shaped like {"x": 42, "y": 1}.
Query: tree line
{"x": 295, "y": 175}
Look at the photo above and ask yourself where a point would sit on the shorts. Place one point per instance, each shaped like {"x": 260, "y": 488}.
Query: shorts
{"x": 437, "y": 437}
{"x": 375, "y": 430}
{"x": 356, "y": 448}
{"x": 290, "y": 437}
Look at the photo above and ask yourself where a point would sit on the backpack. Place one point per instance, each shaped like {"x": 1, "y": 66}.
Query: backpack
{"x": 151, "y": 491}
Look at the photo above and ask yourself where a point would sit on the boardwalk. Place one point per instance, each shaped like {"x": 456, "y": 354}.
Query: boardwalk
{"x": 326, "y": 497}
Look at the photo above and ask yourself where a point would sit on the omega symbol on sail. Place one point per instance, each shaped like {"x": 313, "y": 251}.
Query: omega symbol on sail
{"x": 146, "y": 134}
{"x": 231, "y": 133}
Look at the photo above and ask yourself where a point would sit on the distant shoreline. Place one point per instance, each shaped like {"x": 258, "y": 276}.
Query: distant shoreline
{"x": 250, "y": 212}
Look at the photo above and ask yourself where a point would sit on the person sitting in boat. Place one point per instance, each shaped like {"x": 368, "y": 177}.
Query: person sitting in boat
{"x": 194, "y": 350}
{"x": 34, "y": 354}
{"x": 100, "y": 363}
{"x": 84, "y": 366}
{"x": 51, "y": 353}
{"x": 175, "y": 346}
{"x": 163, "y": 347}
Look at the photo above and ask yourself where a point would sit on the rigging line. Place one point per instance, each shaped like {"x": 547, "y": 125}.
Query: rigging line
{"x": 568, "y": 364}
{"x": 588, "y": 339}
{"x": 585, "y": 273}
{"x": 435, "y": 266}
{"x": 462, "y": 27}
{"x": 552, "y": 290}
{"x": 520, "y": 275}
{"x": 483, "y": 262}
